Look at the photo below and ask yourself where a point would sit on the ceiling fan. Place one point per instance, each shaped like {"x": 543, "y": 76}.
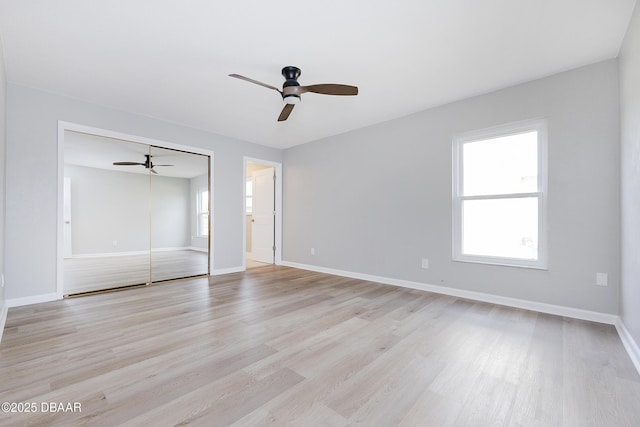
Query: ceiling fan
{"x": 291, "y": 89}
{"x": 147, "y": 164}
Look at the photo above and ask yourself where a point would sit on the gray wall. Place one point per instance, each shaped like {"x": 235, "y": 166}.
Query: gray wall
{"x": 377, "y": 200}
{"x": 630, "y": 178}
{"x": 3, "y": 144}
{"x": 108, "y": 206}
{"x": 31, "y": 180}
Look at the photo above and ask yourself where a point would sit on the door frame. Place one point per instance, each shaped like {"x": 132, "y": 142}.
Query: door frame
{"x": 75, "y": 127}
{"x": 67, "y": 237}
{"x": 277, "y": 256}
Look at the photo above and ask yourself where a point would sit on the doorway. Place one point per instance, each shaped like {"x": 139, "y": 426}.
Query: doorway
{"x": 262, "y": 213}
{"x": 133, "y": 212}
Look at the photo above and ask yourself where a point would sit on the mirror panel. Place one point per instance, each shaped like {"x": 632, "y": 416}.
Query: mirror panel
{"x": 179, "y": 214}
{"x": 106, "y": 221}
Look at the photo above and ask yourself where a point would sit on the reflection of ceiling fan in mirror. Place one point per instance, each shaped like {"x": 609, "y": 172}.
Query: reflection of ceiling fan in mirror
{"x": 147, "y": 164}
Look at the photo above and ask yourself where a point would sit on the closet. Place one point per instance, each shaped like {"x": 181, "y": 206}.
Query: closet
{"x": 134, "y": 214}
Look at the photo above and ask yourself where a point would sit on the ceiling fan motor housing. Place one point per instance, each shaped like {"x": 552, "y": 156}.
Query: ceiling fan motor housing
{"x": 290, "y": 74}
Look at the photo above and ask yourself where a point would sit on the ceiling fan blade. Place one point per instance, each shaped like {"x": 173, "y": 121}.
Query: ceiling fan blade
{"x": 288, "y": 108}
{"x": 127, "y": 164}
{"x": 162, "y": 165}
{"x": 152, "y": 171}
{"x": 330, "y": 89}
{"x": 247, "y": 79}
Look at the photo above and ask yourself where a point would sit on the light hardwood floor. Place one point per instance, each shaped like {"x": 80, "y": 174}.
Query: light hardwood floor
{"x": 281, "y": 346}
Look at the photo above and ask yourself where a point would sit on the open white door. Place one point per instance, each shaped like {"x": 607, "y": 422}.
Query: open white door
{"x": 263, "y": 215}
{"x": 66, "y": 218}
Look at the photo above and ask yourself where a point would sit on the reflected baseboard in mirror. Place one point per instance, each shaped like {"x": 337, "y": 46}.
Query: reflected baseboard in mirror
{"x": 94, "y": 273}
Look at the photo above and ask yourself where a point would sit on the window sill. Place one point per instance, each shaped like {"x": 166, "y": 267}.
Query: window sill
{"x": 503, "y": 262}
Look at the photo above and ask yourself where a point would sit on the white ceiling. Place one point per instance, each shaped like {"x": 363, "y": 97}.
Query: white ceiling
{"x": 170, "y": 59}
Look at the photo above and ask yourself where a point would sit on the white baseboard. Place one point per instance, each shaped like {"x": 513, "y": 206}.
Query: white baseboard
{"x": 629, "y": 344}
{"x": 221, "y": 271}
{"x": 35, "y": 299}
{"x": 3, "y": 318}
{"x": 559, "y": 310}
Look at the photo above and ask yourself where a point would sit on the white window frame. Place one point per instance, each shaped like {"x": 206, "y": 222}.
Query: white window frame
{"x": 202, "y": 210}
{"x": 539, "y": 125}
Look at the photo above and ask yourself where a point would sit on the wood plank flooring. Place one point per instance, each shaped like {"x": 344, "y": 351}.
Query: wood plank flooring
{"x": 281, "y": 346}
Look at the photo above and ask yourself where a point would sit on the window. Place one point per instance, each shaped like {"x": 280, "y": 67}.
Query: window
{"x": 499, "y": 193}
{"x": 203, "y": 212}
{"x": 249, "y": 196}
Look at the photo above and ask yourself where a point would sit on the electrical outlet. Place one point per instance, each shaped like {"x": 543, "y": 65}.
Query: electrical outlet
{"x": 313, "y": 251}
{"x": 602, "y": 279}
{"x": 425, "y": 263}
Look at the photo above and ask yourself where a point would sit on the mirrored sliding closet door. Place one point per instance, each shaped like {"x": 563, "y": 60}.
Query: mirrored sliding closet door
{"x": 134, "y": 214}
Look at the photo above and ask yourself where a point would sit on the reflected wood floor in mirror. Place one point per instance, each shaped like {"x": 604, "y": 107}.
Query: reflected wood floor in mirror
{"x": 282, "y": 346}
{"x": 95, "y": 273}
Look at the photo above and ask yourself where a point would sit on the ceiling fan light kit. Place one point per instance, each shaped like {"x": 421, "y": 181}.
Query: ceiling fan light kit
{"x": 291, "y": 89}
{"x": 291, "y": 99}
